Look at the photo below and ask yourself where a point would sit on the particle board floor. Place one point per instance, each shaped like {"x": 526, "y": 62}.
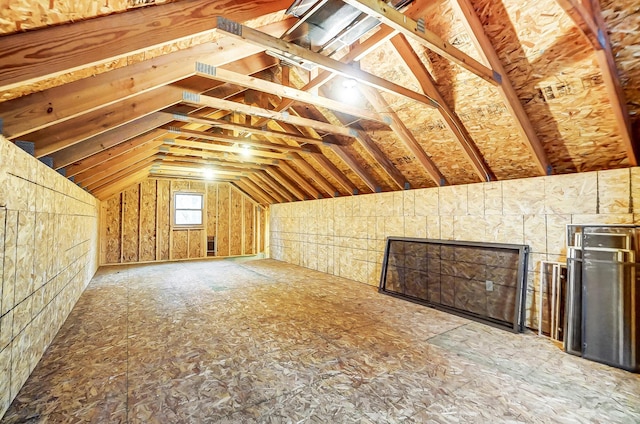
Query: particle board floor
{"x": 264, "y": 341}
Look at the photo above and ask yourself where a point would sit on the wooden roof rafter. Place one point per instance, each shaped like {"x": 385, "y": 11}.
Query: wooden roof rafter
{"x": 268, "y": 42}
{"x": 474, "y": 27}
{"x": 588, "y": 17}
{"x": 417, "y": 31}
{"x": 449, "y": 117}
{"x": 34, "y": 55}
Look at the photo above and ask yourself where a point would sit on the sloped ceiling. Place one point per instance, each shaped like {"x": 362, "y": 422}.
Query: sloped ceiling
{"x": 488, "y": 90}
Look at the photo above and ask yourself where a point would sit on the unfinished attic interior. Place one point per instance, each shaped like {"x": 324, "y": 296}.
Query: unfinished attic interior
{"x": 319, "y": 211}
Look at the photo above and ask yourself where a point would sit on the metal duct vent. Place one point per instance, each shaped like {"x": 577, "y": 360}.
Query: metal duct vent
{"x": 326, "y": 26}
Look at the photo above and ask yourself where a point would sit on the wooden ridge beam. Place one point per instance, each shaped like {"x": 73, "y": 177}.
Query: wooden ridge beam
{"x": 451, "y": 120}
{"x": 225, "y": 149}
{"x": 217, "y": 103}
{"x": 407, "y": 26}
{"x": 271, "y": 43}
{"x": 403, "y": 133}
{"x": 254, "y": 83}
{"x": 169, "y": 157}
{"x": 189, "y": 153}
{"x": 233, "y": 140}
{"x": 474, "y": 27}
{"x": 593, "y": 27}
{"x": 33, "y": 55}
{"x": 189, "y": 167}
{"x": 218, "y": 123}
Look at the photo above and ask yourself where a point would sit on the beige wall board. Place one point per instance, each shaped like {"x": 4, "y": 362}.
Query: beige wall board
{"x": 452, "y": 200}
{"x": 180, "y": 244}
{"x": 148, "y": 223}
{"x": 577, "y": 193}
{"x": 224, "y": 217}
{"x": 196, "y": 248}
{"x": 24, "y": 256}
{"x": 236, "y": 220}
{"x": 10, "y": 258}
{"x": 113, "y": 227}
{"x": 614, "y": 191}
{"x": 131, "y": 222}
{"x": 249, "y": 227}
{"x": 526, "y": 196}
{"x": 212, "y": 209}
{"x": 164, "y": 214}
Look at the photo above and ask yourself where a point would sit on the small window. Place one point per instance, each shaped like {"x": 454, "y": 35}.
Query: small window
{"x": 188, "y": 209}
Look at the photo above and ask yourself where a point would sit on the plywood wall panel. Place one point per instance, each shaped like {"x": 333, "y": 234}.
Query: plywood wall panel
{"x": 48, "y": 250}
{"x": 112, "y": 230}
{"x": 130, "y": 224}
{"x": 146, "y": 227}
{"x": 180, "y": 244}
{"x": 235, "y": 240}
{"x": 224, "y": 207}
{"x": 164, "y": 216}
{"x": 212, "y": 209}
{"x": 148, "y": 220}
{"x": 196, "y": 246}
{"x": 249, "y": 220}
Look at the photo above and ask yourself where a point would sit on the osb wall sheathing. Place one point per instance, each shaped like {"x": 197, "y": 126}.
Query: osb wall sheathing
{"x": 48, "y": 254}
{"x": 346, "y": 236}
{"x": 136, "y": 223}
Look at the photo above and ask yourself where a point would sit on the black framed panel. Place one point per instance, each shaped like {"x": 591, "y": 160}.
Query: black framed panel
{"x": 482, "y": 281}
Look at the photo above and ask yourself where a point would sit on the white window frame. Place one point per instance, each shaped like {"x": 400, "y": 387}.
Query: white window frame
{"x": 174, "y": 209}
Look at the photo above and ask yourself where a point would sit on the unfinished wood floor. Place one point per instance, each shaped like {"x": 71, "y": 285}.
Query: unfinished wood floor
{"x": 263, "y": 341}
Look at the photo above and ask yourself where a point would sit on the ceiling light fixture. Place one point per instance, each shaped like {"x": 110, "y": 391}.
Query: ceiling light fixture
{"x": 209, "y": 174}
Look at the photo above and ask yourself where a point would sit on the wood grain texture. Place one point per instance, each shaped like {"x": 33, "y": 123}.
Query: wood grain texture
{"x": 50, "y": 51}
{"x": 196, "y": 248}
{"x": 249, "y": 230}
{"x": 164, "y": 217}
{"x": 180, "y": 244}
{"x": 113, "y": 229}
{"x": 235, "y": 243}
{"x": 148, "y": 202}
{"x": 130, "y": 223}
{"x": 224, "y": 217}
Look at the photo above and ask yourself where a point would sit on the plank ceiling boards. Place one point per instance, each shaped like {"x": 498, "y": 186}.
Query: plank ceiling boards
{"x": 437, "y": 93}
